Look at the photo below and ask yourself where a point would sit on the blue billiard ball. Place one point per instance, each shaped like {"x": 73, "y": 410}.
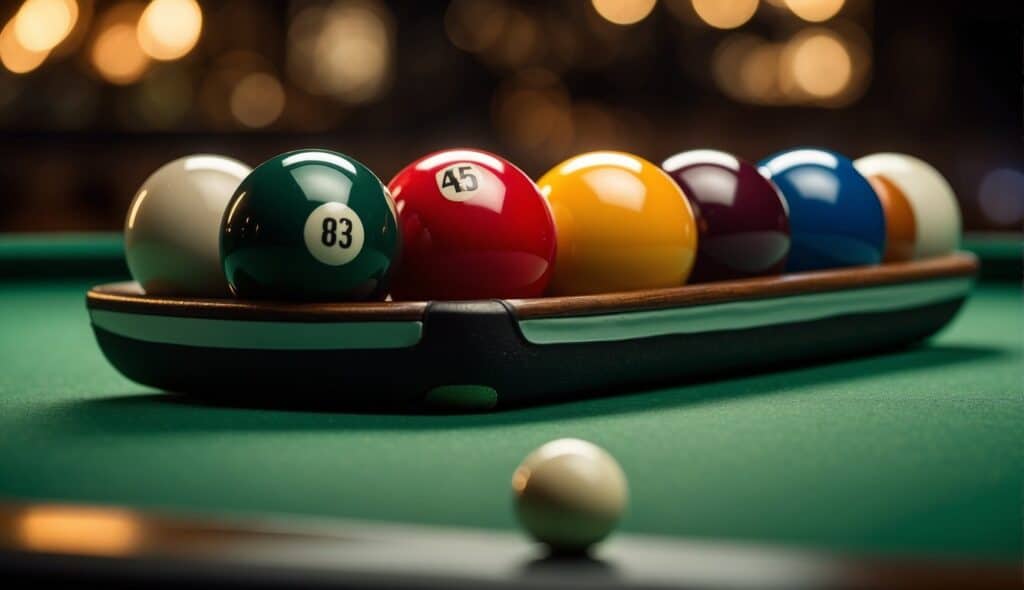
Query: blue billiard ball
{"x": 835, "y": 217}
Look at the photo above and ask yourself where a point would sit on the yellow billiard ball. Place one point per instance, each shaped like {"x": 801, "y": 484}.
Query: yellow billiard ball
{"x": 569, "y": 494}
{"x": 622, "y": 224}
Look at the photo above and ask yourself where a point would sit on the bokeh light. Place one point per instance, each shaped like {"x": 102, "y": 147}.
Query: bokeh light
{"x": 623, "y": 12}
{"x": 725, "y": 14}
{"x": 117, "y": 55}
{"x": 820, "y": 64}
{"x": 41, "y": 25}
{"x": 1001, "y": 197}
{"x": 815, "y": 11}
{"x": 728, "y": 60}
{"x": 257, "y": 100}
{"x": 14, "y": 56}
{"x": 532, "y": 112}
{"x": 344, "y": 50}
{"x": 475, "y": 25}
{"x": 169, "y": 29}
{"x": 759, "y": 74}
{"x": 520, "y": 42}
{"x": 90, "y": 531}
{"x": 115, "y": 52}
{"x": 816, "y": 67}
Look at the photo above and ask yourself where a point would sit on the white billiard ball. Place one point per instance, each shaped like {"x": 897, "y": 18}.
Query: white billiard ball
{"x": 569, "y": 494}
{"x": 936, "y": 212}
{"x": 172, "y": 231}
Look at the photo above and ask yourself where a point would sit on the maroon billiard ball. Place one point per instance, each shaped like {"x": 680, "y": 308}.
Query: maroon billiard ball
{"x": 473, "y": 226}
{"x": 742, "y": 219}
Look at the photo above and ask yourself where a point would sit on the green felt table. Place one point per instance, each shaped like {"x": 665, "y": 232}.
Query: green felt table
{"x": 912, "y": 453}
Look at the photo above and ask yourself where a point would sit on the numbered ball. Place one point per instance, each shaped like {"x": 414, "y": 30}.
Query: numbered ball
{"x": 569, "y": 494}
{"x": 835, "y": 218}
{"x": 623, "y": 224}
{"x": 309, "y": 225}
{"x": 936, "y": 212}
{"x": 172, "y": 229}
{"x": 742, "y": 219}
{"x": 473, "y": 227}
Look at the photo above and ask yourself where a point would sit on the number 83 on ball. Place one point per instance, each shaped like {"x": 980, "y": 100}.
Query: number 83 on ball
{"x": 311, "y": 224}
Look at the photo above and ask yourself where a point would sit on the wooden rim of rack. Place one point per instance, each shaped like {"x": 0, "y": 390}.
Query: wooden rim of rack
{"x": 128, "y": 296}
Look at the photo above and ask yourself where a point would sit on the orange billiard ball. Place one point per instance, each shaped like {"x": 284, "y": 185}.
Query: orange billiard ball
{"x": 900, "y": 226}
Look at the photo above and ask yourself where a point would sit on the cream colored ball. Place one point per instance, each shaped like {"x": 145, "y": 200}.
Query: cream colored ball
{"x": 172, "y": 231}
{"x": 935, "y": 207}
{"x": 569, "y": 494}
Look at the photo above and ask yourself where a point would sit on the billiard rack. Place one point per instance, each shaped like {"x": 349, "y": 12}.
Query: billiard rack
{"x": 481, "y": 355}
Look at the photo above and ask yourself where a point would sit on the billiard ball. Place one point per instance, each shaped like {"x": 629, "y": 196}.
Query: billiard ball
{"x": 172, "y": 228}
{"x": 309, "y": 225}
{"x": 900, "y": 225}
{"x": 622, "y": 224}
{"x": 742, "y": 219}
{"x": 835, "y": 217}
{"x": 931, "y": 198}
{"x": 473, "y": 226}
{"x": 569, "y": 494}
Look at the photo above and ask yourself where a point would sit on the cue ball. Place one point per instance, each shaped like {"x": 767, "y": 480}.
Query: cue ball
{"x": 569, "y": 494}
{"x": 172, "y": 230}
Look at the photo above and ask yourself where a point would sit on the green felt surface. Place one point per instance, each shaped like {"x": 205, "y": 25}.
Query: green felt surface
{"x": 62, "y": 255}
{"x": 918, "y": 451}
{"x": 914, "y": 452}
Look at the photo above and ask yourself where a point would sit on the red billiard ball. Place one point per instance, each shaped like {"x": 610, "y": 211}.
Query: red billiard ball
{"x": 742, "y": 219}
{"x": 473, "y": 226}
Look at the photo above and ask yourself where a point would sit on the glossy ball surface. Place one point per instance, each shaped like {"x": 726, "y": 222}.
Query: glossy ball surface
{"x": 835, "y": 218}
{"x": 900, "y": 224}
{"x": 473, "y": 227}
{"x": 171, "y": 232}
{"x": 309, "y": 225}
{"x": 742, "y": 219}
{"x": 569, "y": 494}
{"x": 936, "y": 210}
{"x": 622, "y": 225}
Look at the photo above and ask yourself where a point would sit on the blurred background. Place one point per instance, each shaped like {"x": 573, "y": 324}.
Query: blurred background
{"x": 95, "y": 95}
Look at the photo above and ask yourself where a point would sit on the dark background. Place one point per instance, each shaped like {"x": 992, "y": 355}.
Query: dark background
{"x": 535, "y": 81}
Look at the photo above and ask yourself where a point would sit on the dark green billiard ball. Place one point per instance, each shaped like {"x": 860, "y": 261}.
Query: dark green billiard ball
{"x": 309, "y": 225}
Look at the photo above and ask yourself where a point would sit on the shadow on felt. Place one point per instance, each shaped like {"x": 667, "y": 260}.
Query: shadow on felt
{"x": 163, "y": 412}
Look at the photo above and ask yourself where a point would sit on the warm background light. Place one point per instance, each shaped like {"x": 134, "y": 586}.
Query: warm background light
{"x": 725, "y": 14}
{"x": 343, "y": 51}
{"x": 117, "y": 56}
{"x": 532, "y": 112}
{"x": 169, "y": 29}
{"x": 257, "y": 100}
{"x": 821, "y": 65}
{"x": 624, "y": 12}
{"x": 815, "y": 10}
{"x": 475, "y": 25}
{"x": 15, "y": 57}
{"x": 759, "y": 74}
{"x": 91, "y": 531}
{"x": 41, "y": 25}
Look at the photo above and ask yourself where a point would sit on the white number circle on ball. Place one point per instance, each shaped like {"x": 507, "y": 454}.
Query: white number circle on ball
{"x": 459, "y": 182}
{"x": 334, "y": 234}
